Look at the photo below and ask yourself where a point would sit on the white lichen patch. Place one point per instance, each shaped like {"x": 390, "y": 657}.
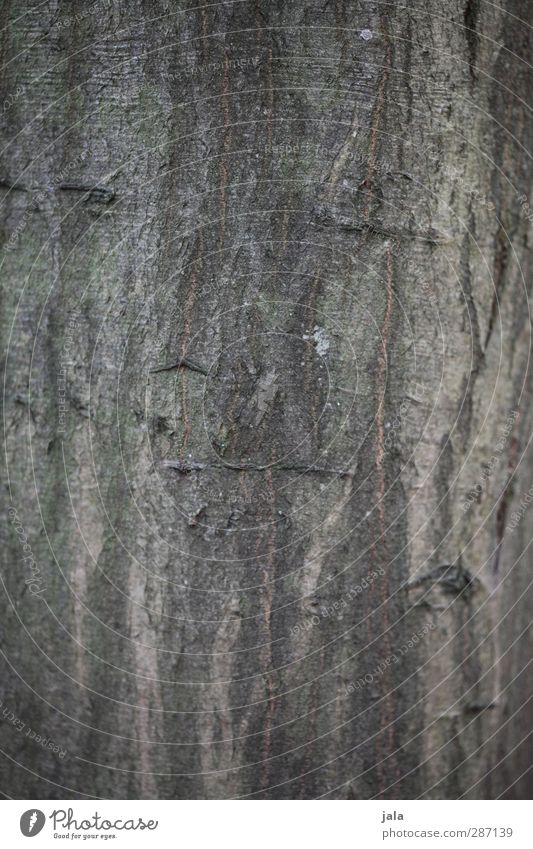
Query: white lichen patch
{"x": 321, "y": 341}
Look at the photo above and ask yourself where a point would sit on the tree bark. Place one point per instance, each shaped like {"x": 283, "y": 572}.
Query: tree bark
{"x": 287, "y": 567}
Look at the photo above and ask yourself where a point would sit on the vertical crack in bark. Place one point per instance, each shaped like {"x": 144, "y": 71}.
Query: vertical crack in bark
{"x": 505, "y": 498}
{"x": 387, "y": 708}
{"x": 259, "y": 23}
{"x": 340, "y": 17}
{"x": 270, "y": 98}
{"x": 342, "y": 157}
{"x": 148, "y": 694}
{"x": 267, "y": 620}
{"x": 309, "y": 352}
{"x": 285, "y": 224}
{"x": 205, "y": 30}
{"x": 381, "y": 387}
{"x": 216, "y": 755}
{"x": 268, "y": 86}
{"x": 313, "y": 712}
{"x": 500, "y": 265}
{"x": 376, "y": 121}
{"x": 224, "y": 166}
{"x": 471, "y": 15}
{"x": 466, "y": 259}
{"x": 319, "y": 548}
{"x": 407, "y": 76}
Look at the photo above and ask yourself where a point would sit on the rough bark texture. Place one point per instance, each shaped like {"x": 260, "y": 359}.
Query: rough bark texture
{"x": 318, "y": 204}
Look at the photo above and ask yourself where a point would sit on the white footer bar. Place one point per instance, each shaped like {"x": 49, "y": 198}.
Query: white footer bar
{"x": 268, "y": 825}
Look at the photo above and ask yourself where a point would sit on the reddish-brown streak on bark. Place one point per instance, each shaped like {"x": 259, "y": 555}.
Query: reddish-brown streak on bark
{"x": 381, "y": 386}
{"x": 244, "y": 488}
{"x": 387, "y": 706}
{"x": 184, "y": 412}
{"x": 189, "y": 305}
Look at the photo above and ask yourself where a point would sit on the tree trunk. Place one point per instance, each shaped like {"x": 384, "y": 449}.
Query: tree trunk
{"x": 288, "y": 567}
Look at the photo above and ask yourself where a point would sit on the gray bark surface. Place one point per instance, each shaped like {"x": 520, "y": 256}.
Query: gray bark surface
{"x": 314, "y": 209}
